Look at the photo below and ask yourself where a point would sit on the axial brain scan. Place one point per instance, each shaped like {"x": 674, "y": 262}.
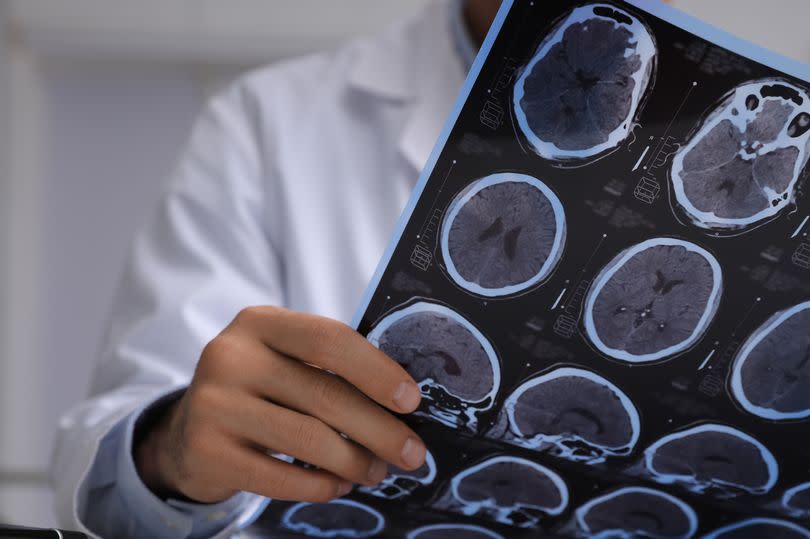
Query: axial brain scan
{"x": 453, "y": 531}
{"x": 453, "y": 363}
{"x": 571, "y": 413}
{"x": 338, "y": 518}
{"x": 742, "y": 164}
{"x": 714, "y": 458}
{"x": 653, "y": 300}
{"x": 508, "y": 490}
{"x": 760, "y": 528}
{"x": 796, "y": 501}
{"x": 503, "y": 234}
{"x": 579, "y": 94}
{"x": 401, "y": 483}
{"x": 771, "y": 373}
{"x": 636, "y": 512}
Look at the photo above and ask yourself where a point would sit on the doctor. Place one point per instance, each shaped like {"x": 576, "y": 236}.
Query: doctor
{"x": 281, "y": 205}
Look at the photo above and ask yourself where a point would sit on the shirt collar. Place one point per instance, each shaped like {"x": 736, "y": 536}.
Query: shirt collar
{"x": 386, "y": 64}
{"x": 418, "y": 63}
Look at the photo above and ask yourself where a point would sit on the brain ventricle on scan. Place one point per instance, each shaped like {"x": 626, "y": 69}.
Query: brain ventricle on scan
{"x": 653, "y": 300}
{"x": 503, "y": 234}
{"x": 608, "y": 310}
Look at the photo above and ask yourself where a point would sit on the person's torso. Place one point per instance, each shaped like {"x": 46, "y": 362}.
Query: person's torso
{"x": 347, "y": 135}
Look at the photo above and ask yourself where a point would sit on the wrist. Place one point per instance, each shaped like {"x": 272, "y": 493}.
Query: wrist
{"x": 150, "y": 451}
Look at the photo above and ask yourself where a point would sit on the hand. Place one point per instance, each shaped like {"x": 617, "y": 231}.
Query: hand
{"x": 266, "y": 384}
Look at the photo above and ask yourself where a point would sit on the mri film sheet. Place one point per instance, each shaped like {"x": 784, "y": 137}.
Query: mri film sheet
{"x": 613, "y": 230}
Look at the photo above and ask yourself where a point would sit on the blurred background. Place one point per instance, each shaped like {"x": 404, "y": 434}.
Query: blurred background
{"x": 96, "y": 98}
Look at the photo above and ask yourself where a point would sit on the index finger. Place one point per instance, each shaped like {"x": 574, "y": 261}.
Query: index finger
{"x": 336, "y": 347}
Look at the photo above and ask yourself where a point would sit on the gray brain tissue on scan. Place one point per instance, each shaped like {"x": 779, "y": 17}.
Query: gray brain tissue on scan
{"x": 580, "y": 92}
{"x": 453, "y": 531}
{"x": 637, "y": 512}
{"x": 338, "y": 518}
{"x": 503, "y": 234}
{"x": 653, "y": 300}
{"x": 771, "y": 373}
{"x": 714, "y": 458}
{"x": 611, "y": 335}
{"x": 760, "y": 528}
{"x": 572, "y": 413}
{"x": 796, "y": 501}
{"x": 508, "y": 490}
{"x": 742, "y": 164}
{"x": 453, "y": 363}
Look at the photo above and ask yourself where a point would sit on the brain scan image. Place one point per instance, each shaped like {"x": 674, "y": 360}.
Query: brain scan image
{"x": 337, "y": 518}
{"x": 401, "y": 483}
{"x": 634, "y": 513}
{"x": 654, "y": 300}
{"x": 579, "y": 94}
{"x": 741, "y": 166}
{"x": 503, "y": 234}
{"x": 796, "y": 501}
{"x": 451, "y": 360}
{"x": 571, "y": 413}
{"x": 508, "y": 490}
{"x": 712, "y": 458}
{"x": 760, "y": 528}
{"x": 453, "y": 531}
{"x": 770, "y": 377}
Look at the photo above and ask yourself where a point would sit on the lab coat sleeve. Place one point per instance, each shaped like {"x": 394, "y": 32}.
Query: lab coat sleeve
{"x": 118, "y": 504}
{"x": 205, "y": 254}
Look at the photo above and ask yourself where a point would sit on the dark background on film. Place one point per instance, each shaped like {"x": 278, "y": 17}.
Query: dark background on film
{"x": 604, "y": 217}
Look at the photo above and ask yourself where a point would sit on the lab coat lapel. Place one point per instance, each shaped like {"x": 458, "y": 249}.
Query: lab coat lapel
{"x": 438, "y": 75}
{"x": 417, "y": 65}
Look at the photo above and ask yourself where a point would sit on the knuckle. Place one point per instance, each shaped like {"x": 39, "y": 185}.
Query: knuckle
{"x": 219, "y": 350}
{"x": 248, "y": 315}
{"x": 215, "y": 348}
{"x": 223, "y": 359}
{"x": 306, "y": 436}
{"x": 327, "y": 337}
{"x": 330, "y": 393}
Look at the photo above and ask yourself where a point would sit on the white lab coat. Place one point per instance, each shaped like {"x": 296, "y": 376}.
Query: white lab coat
{"x": 287, "y": 194}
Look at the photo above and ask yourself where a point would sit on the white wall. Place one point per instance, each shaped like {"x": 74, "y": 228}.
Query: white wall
{"x": 98, "y": 96}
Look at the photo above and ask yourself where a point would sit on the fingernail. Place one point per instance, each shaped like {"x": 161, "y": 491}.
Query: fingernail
{"x": 377, "y": 471}
{"x": 344, "y": 488}
{"x": 413, "y": 453}
{"x": 407, "y": 396}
